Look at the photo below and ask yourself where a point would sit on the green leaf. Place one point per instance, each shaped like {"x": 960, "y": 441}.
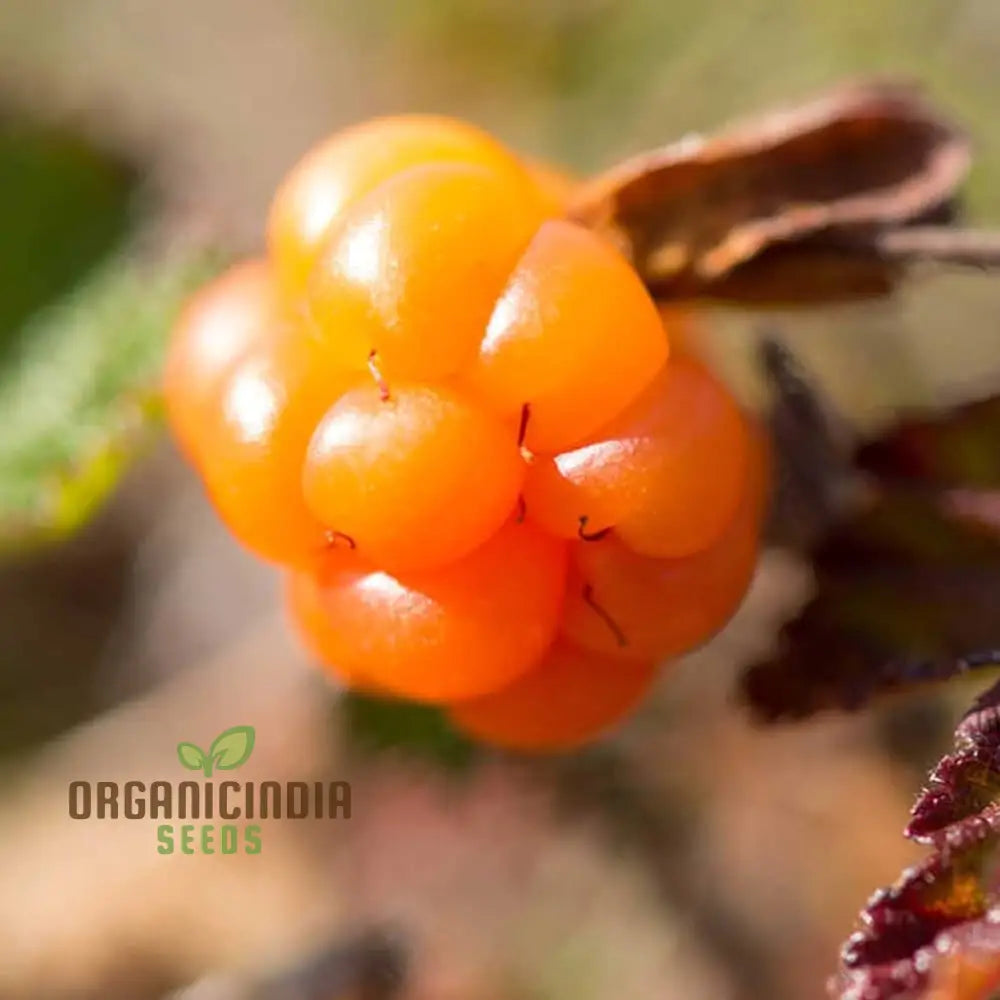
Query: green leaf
{"x": 80, "y": 393}
{"x": 191, "y": 756}
{"x": 232, "y": 747}
{"x": 83, "y": 324}
{"x": 65, "y": 204}
{"x": 384, "y": 725}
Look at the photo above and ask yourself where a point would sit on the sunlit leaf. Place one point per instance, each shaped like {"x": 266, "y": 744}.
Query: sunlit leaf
{"x": 82, "y": 325}
{"x": 79, "y": 393}
{"x": 935, "y": 933}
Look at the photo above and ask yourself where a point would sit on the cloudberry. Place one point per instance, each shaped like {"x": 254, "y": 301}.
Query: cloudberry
{"x": 318, "y": 192}
{"x": 461, "y": 422}
{"x": 569, "y": 698}
{"x": 574, "y": 336}
{"x": 666, "y": 473}
{"x": 624, "y": 604}
{"x": 416, "y": 480}
{"x": 217, "y": 325}
{"x": 254, "y": 447}
{"x": 450, "y": 633}
{"x": 415, "y": 268}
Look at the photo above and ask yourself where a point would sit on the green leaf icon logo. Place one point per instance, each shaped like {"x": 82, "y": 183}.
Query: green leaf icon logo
{"x": 230, "y": 750}
{"x": 193, "y": 757}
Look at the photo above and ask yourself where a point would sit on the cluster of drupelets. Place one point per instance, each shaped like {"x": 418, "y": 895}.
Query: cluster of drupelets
{"x": 451, "y": 415}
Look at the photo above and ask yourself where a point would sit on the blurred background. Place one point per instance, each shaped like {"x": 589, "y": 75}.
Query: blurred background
{"x": 692, "y": 855}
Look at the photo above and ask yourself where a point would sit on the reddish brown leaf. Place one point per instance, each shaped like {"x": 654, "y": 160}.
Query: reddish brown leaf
{"x": 795, "y": 274}
{"x": 968, "y": 781}
{"x": 960, "y": 448}
{"x": 953, "y": 885}
{"x": 981, "y": 723}
{"x": 935, "y": 934}
{"x": 960, "y": 964}
{"x": 902, "y": 588}
{"x": 864, "y": 157}
{"x": 904, "y": 540}
{"x": 963, "y": 784}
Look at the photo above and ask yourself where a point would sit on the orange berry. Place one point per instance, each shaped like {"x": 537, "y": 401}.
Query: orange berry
{"x": 217, "y": 325}
{"x": 570, "y": 698}
{"x": 627, "y": 605}
{"x": 255, "y": 444}
{"x": 415, "y": 269}
{"x": 575, "y": 336}
{"x": 429, "y": 349}
{"x": 457, "y": 632}
{"x": 666, "y": 473}
{"x": 337, "y": 173}
{"x": 304, "y": 605}
{"x": 416, "y": 479}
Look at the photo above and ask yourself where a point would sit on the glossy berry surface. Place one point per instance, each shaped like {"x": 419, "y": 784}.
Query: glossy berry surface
{"x": 414, "y": 271}
{"x": 416, "y": 480}
{"x": 494, "y": 471}
{"x": 571, "y": 697}
{"x": 454, "y": 632}
{"x": 314, "y": 627}
{"x": 574, "y": 336}
{"x": 317, "y": 193}
{"x": 254, "y": 447}
{"x": 628, "y": 605}
{"x": 666, "y": 473}
{"x": 236, "y": 310}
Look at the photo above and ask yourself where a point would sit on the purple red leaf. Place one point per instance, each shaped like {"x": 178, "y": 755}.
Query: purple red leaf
{"x": 903, "y": 536}
{"x": 935, "y": 934}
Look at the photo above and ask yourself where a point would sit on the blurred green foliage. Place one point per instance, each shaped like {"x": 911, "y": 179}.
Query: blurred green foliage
{"x": 64, "y": 205}
{"x": 82, "y": 328}
{"x": 80, "y": 391}
{"x": 384, "y": 725}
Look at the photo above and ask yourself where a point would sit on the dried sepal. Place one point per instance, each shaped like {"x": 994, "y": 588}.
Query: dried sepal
{"x": 866, "y": 157}
{"x": 798, "y": 274}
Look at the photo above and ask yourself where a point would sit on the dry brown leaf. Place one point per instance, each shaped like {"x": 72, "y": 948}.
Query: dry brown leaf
{"x": 866, "y": 157}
